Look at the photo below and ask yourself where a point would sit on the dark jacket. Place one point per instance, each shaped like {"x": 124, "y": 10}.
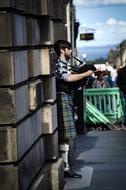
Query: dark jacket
{"x": 121, "y": 79}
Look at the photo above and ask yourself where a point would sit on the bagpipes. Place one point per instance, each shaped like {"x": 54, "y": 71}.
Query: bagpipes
{"x": 69, "y": 87}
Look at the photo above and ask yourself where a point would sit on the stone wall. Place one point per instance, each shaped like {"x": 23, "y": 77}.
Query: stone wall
{"x": 29, "y": 156}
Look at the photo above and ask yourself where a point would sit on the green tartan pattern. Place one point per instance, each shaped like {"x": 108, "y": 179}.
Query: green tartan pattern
{"x": 66, "y": 125}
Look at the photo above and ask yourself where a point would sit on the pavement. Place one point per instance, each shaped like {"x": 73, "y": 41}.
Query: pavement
{"x": 100, "y": 156}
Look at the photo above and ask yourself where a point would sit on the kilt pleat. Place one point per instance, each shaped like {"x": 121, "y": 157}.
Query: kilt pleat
{"x": 66, "y": 125}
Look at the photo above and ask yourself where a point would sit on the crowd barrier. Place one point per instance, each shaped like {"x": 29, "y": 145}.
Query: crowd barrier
{"x": 103, "y": 105}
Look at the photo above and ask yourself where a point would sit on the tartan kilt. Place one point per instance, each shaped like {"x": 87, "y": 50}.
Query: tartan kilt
{"x": 66, "y": 124}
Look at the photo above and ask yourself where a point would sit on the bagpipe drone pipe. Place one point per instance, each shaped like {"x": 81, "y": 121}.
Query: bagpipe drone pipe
{"x": 69, "y": 87}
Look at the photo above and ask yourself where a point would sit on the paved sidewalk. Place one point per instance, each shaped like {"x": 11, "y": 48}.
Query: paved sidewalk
{"x": 101, "y": 159}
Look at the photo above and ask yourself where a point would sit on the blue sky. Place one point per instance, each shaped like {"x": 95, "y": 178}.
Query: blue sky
{"x": 106, "y": 17}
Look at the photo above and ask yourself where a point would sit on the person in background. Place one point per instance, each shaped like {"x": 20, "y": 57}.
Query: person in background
{"x": 113, "y": 72}
{"x": 65, "y": 109}
{"x": 100, "y": 81}
{"x": 108, "y": 77}
{"x": 108, "y": 67}
{"x": 121, "y": 83}
{"x": 114, "y": 75}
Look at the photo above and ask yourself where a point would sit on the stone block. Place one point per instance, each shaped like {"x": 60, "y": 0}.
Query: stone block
{"x": 14, "y": 142}
{"x": 35, "y": 94}
{"x": 46, "y": 8}
{"x": 15, "y": 4}
{"x": 49, "y": 89}
{"x": 33, "y": 31}
{"x": 36, "y": 6}
{"x": 40, "y": 183}
{"x": 46, "y": 35}
{"x": 14, "y": 104}
{"x": 28, "y": 6}
{"x": 59, "y": 10}
{"x": 49, "y": 118}
{"x": 33, "y": 62}
{"x": 51, "y": 146}
{"x": 47, "y": 65}
{"x": 8, "y": 144}
{"x": 20, "y": 175}
{"x": 55, "y": 174}
{"x": 33, "y": 7}
{"x": 39, "y": 93}
{"x": 36, "y": 126}
{"x": 13, "y": 67}
{"x": 12, "y": 30}
{"x": 60, "y": 30}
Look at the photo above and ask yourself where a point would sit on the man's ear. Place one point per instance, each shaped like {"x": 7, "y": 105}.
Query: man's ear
{"x": 62, "y": 50}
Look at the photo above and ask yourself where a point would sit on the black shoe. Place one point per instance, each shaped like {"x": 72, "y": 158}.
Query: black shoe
{"x": 69, "y": 174}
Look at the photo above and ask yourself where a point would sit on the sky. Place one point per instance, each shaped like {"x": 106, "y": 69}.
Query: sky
{"x": 105, "y": 18}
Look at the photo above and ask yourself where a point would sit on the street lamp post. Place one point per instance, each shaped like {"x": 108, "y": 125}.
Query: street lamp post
{"x": 84, "y": 55}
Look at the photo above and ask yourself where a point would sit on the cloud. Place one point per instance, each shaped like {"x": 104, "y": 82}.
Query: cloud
{"x": 122, "y": 23}
{"x": 95, "y": 3}
{"x": 111, "y": 21}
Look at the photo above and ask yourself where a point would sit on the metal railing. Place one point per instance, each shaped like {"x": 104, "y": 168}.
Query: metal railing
{"x": 103, "y": 105}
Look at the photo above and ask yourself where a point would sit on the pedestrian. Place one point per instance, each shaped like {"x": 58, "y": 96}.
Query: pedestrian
{"x": 121, "y": 83}
{"x": 114, "y": 75}
{"x": 65, "y": 107}
{"x": 100, "y": 81}
{"x": 108, "y": 77}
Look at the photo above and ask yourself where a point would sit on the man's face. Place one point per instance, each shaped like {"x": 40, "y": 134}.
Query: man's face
{"x": 101, "y": 77}
{"x": 67, "y": 53}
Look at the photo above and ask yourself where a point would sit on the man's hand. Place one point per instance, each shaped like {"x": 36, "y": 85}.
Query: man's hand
{"x": 89, "y": 73}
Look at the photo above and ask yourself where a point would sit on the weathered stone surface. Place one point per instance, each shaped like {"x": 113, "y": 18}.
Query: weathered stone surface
{"x": 9, "y": 178}
{"x": 13, "y": 67}
{"x": 28, "y": 6}
{"x": 31, "y": 164}
{"x": 33, "y": 6}
{"x": 47, "y": 64}
{"x": 35, "y": 94}
{"x": 46, "y": 7}
{"x": 15, "y": 177}
{"x": 14, "y": 142}
{"x": 49, "y": 94}
{"x": 47, "y": 37}
{"x": 12, "y": 30}
{"x": 39, "y": 93}
{"x": 36, "y": 6}
{"x": 8, "y": 144}
{"x": 59, "y": 10}
{"x": 16, "y": 4}
{"x": 33, "y": 31}
{"x": 55, "y": 174}
{"x": 13, "y": 104}
{"x": 49, "y": 118}
{"x": 29, "y": 133}
{"x": 60, "y": 30}
{"x": 35, "y": 124}
{"x": 34, "y": 62}
{"x": 51, "y": 146}
{"x": 40, "y": 183}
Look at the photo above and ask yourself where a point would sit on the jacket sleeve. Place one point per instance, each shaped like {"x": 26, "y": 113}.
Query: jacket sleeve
{"x": 120, "y": 82}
